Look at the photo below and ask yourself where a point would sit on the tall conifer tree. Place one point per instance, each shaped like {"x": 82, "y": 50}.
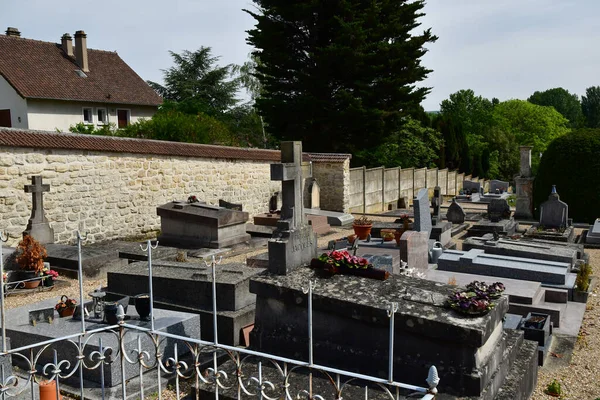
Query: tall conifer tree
{"x": 339, "y": 75}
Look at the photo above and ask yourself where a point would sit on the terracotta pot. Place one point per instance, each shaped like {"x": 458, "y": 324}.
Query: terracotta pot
{"x": 398, "y": 235}
{"x": 351, "y": 239}
{"x": 362, "y": 231}
{"x": 48, "y": 390}
{"x": 29, "y": 275}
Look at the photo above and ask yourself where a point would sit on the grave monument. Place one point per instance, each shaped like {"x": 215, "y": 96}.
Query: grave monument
{"x": 414, "y": 244}
{"x": 441, "y": 231}
{"x": 455, "y": 213}
{"x": 593, "y": 234}
{"x": 499, "y": 220}
{"x": 554, "y": 221}
{"x": 194, "y": 225}
{"x": 294, "y": 242}
{"x": 38, "y": 226}
{"x": 471, "y": 191}
{"x": 524, "y": 184}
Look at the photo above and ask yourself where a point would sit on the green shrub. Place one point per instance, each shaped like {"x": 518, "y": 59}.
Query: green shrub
{"x": 582, "y": 282}
{"x": 572, "y": 163}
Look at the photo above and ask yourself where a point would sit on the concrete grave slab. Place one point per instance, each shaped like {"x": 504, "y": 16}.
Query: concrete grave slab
{"x": 196, "y": 225}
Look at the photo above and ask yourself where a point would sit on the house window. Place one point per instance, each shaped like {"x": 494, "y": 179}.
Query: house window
{"x": 88, "y": 116}
{"x": 122, "y": 118}
{"x": 102, "y": 116}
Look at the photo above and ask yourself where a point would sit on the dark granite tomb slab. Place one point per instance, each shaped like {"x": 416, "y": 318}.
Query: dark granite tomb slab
{"x": 350, "y": 323}
{"x": 505, "y": 227}
{"x": 558, "y": 235}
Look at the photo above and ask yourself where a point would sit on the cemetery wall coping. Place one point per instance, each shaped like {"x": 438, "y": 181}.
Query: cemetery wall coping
{"x": 69, "y": 141}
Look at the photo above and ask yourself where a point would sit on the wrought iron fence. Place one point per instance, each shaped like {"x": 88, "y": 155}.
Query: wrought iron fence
{"x": 246, "y": 377}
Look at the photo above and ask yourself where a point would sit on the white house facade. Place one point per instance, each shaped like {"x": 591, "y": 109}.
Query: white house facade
{"x": 50, "y": 86}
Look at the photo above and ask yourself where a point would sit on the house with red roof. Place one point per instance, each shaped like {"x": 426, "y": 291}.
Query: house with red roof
{"x": 53, "y": 86}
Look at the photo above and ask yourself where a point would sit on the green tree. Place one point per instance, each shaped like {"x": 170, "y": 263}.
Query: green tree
{"x": 528, "y": 124}
{"x": 413, "y": 145}
{"x": 176, "y": 126}
{"x": 564, "y": 102}
{"x": 196, "y": 81}
{"x": 338, "y": 75}
{"x": 590, "y": 105}
{"x": 473, "y": 115}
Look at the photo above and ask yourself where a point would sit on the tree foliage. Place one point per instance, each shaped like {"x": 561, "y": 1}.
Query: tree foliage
{"x": 195, "y": 78}
{"x": 590, "y": 105}
{"x": 530, "y": 125}
{"x": 413, "y": 145}
{"x": 578, "y": 188}
{"x": 338, "y": 75}
{"x": 564, "y": 102}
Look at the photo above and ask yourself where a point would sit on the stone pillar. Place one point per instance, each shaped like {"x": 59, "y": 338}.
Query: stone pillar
{"x": 524, "y": 183}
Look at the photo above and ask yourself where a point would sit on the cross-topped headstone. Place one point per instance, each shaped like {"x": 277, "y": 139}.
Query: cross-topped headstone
{"x": 38, "y": 226}
{"x": 294, "y": 243}
{"x": 290, "y": 173}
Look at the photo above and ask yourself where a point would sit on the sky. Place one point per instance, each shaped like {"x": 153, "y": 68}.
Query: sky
{"x": 499, "y": 48}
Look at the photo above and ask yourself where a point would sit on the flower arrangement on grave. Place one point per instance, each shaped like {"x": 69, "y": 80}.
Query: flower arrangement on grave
{"x": 362, "y": 227}
{"x": 66, "y": 306}
{"x": 582, "y": 281}
{"x": 4, "y": 277}
{"x": 476, "y": 299}
{"x": 30, "y": 258}
{"x": 342, "y": 262}
{"x": 192, "y": 199}
{"x": 50, "y": 276}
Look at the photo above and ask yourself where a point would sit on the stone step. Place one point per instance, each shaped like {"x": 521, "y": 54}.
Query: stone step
{"x": 475, "y": 261}
{"x": 556, "y": 295}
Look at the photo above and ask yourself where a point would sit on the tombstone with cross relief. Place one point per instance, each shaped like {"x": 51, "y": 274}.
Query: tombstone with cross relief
{"x": 294, "y": 243}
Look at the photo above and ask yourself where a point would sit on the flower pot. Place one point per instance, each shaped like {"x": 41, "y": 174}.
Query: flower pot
{"x": 66, "y": 312}
{"x": 362, "y": 231}
{"x": 142, "y": 306}
{"x": 47, "y": 390}
{"x": 351, "y": 239}
{"x": 29, "y": 275}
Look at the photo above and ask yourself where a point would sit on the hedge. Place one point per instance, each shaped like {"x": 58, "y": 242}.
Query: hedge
{"x": 572, "y": 163}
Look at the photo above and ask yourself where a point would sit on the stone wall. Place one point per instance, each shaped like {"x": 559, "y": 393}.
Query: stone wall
{"x": 110, "y": 187}
{"x": 115, "y": 195}
{"x": 334, "y": 182}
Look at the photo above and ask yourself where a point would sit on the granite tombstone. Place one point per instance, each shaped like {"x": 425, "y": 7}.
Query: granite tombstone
{"x": 455, "y": 213}
{"x": 553, "y": 212}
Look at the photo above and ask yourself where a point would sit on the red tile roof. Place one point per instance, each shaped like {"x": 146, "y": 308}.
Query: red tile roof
{"x": 12, "y": 137}
{"x": 41, "y": 70}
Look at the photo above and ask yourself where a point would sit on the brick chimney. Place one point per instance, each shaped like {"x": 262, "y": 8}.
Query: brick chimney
{"x": 67, "y": 44}
{"x": 13, "y": 32}
{"x": 81, "y": 50}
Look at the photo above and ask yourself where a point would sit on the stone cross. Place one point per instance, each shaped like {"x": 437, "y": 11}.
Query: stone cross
{"x": 290, "y": 173}
{"x": 37, "y": 190}
{"x": 38, "y": 226}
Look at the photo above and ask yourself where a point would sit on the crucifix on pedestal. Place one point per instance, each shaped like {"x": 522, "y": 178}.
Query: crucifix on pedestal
{"x": 289, "y": 172}
{"x": 38, "y": 226}
{"x": 294, "y": 243}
